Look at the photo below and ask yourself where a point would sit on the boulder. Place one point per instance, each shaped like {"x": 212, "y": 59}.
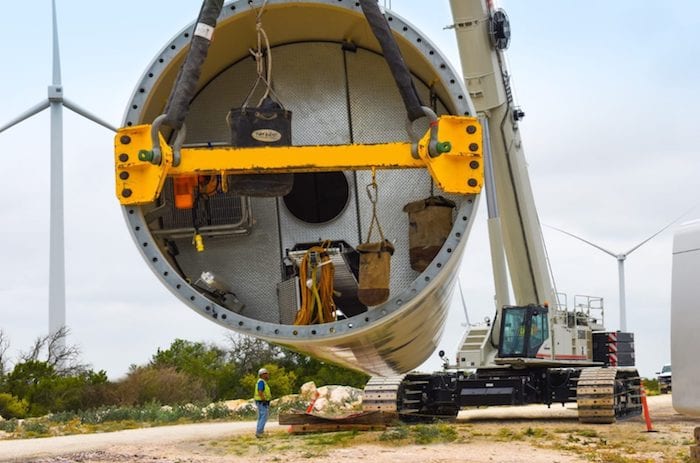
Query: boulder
{"x": 340, "y": 395}
{"x": 324, "y": 392}
{"x": 308, "y": 391}
{"x": 321, "y": 405}
{"x": 239, "y": 405}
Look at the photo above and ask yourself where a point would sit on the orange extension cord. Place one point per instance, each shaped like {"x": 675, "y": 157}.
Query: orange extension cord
{"x": 317, "y": 305}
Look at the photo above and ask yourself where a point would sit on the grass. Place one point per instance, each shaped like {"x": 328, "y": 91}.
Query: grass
{"x": 620, "y": 443}
{"x": 312, "y": 446}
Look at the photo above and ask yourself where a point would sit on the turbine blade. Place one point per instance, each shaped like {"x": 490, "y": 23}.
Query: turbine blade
{"x": 661, "y": 230}
{"x": 464, "y": 304}
{"x": 56, "y": 52}
{"x": 87, "y": 114}
{"x": 26, "y": 115}
{"x": 584, "y": 240}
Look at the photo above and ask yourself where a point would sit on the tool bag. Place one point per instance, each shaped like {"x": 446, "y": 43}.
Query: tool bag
{"x": 269, "y": 124}
{"x": 375, "y": 257}
{"x": 375, "y": 272}
{"x": 429, "y": 225}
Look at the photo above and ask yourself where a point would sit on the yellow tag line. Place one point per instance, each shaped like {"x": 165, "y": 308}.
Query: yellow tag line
{"x": 458, "y": 169}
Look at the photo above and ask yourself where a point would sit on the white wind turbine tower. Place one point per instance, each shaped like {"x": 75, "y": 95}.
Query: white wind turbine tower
{"x": 56, "y": 101}
{"x": 621, "y": 257}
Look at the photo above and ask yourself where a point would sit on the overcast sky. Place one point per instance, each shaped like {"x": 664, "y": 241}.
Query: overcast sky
{"x": 610, "y": 94}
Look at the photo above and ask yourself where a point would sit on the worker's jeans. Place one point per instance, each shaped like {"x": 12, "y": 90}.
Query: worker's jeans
{"x": 263, "y": 409}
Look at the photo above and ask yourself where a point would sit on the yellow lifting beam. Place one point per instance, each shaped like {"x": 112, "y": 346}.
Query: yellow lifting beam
{"x": 455, "y": 164}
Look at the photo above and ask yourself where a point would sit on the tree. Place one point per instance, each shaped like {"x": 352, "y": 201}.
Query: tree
{"x": 46, "y": 390}
{"x": 12, "y": 407}
{"x": 322, "y": 373}
{"x": 50, "y": 377}
{"x": 249, "y": 353}
{"x": 4, "y": 346}
{"x": 53, "y": 350}
{"x": 207, "y": 363}
{"x": 281, "y": 382}
{"x": 163, "y": 385}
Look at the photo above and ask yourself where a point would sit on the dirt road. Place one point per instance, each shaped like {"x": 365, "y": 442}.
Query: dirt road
{"x": 531, "y": 434}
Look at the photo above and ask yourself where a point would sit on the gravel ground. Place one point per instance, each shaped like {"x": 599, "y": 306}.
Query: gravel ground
{"x": 233, "y": 442}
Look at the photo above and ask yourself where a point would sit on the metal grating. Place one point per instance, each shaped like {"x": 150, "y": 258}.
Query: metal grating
{"x": 223, "y": 209}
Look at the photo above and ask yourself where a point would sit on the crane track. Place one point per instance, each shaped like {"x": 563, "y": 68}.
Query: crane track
{"x": 381, "y": 394}
{"x": 411, "y": 397}
{"x": 604, "y": 395}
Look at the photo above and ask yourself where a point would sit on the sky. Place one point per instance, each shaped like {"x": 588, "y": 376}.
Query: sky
{"x": 610, "y": 95}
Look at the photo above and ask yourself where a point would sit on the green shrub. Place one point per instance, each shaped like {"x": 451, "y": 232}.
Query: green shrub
{"x": 62, "y": 417}
{"x": 217, "y": 411}
{"x": 12, "y": 407}
{"x": 45, "y": 390}
{"x": 394, "y": 434}
{"x": 8, "y": 425}
{"x": 651, "y": 386}
{"x": 425, "y": 434}
{"x": 145, "y": 385}
{"x": 148, "y": 413}
{"x": 35, "y": 427}
{"x": 281, "y": 381}
{"x": 207, "y": 363}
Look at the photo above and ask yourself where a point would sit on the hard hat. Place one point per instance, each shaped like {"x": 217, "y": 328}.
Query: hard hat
{"x": 262, "y": 371}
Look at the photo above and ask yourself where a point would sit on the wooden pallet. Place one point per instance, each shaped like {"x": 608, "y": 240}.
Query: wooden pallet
{"x": 363, "y": 421}
{"x": 695, "y": 449}
{"x": 370, "y": 417}
{"x": 331, "y": 427}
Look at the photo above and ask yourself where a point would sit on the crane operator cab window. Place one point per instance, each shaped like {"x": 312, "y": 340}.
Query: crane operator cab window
{"x": 523, "y": 331}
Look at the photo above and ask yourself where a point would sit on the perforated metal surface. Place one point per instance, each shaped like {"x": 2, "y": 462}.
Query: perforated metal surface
{"x": 312, "y": 79}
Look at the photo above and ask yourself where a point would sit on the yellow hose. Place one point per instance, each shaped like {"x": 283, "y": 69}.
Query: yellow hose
{"x": 317, "y": 305}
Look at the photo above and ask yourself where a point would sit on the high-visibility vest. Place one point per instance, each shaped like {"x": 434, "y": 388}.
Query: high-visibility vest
{"x": 256, "y": 392}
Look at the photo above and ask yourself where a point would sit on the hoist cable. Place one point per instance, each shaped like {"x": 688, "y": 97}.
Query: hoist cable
{"x": 394, "y": 59}
{"x": 186, "y": 82}
{"x": 373, "y": 195}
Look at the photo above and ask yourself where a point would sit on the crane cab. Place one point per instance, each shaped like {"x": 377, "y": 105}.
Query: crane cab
{"x": 523, "y": 331}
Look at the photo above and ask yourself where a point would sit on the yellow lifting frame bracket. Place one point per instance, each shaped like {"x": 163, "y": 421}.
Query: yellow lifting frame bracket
{"x": 456, "y": 165}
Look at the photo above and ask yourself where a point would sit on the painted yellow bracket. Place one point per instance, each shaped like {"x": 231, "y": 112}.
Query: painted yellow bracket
{"x": 457, "y": 169}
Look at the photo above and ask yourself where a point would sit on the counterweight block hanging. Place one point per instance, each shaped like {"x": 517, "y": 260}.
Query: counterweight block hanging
{"x": 266, "y": 125}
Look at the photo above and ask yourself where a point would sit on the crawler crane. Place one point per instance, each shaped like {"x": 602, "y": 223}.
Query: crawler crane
{"x": 269, "y": 178}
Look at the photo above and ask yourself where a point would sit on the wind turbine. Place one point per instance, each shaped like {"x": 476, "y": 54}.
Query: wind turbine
{"x": 56, "y": 101}
{"x": 621, "y": 257}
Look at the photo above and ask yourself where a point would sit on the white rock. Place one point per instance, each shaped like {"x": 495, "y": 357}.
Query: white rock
{"x": 340, "y": 395}
{"x": 286, "y": 399}
{"x": 236, "y": 405}
{"x": 321, "y": 404}
{"x": 308, "y": 391}
{"x": 324, "y": 392}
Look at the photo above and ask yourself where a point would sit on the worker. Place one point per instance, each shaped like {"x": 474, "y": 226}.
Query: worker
{"x": 262, "y": 398}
